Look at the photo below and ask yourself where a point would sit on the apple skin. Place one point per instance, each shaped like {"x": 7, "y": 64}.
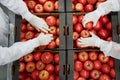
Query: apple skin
{"x": 48, "y": 6}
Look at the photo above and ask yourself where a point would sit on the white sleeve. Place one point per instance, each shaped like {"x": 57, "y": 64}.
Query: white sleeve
{"x": 17, "y": 50}
{"x": 18, "y": 7}
{"x": 108, "y": 6}
{"x": 109, "y": 48}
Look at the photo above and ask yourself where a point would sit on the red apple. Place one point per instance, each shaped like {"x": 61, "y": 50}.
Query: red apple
{"x": 56, "y": 69}
{"x": 40, "y": 65}
{"x": 75, "y": 56}
{"x": 51, "y": 20}
{"x": 53, "y": 30}
{"x": 93, "y": 55}
{"x": 98, "y": 26}
{"x": 95, "y": 74}
{"x": 37, "y": 56}
{"x": 22, "y": 67}
{"x": 80, "y": 18}
{"x": 38, "y": 8}
{"x": 30, "y": 66}
{"x": 35, "y": 74}
{"x": 84, "y": 73}
{"x": 89, "y": 25}
{"x": 56, "y": 58}
{"x": 47, "y": 57}
{"x": 105, "y": 68}
{"x": 84, "y": 33}
{"x": 78, "y": 27}
{"x": 105, "y": 77}
{"x": 22, "y": 35}
{"x": 29, "y": 35}
{"x": 30, "y": 27}
{"x": 75, "y": 35}
{"x": 111, "y": 62}
{"x": 42, "y": 47}
{"x": 97, "y": 64}
{"x": 74, "y": 19}
{"x": 50, "y": 68}
{"x": 21, "y": 76}
{"x": 89, "y": 8}
{"x": 42, "y": 1}
{"x": 76, "y": 75}
{"x": 88, "y": 65}
{"x": 79, "y": 7}
{"x": 51, "y": 77}
{"x": 58, "y": 22}
{"x": 103, "y": 58}
{"x": 83, "y": 56}
{"x": 44, "y": 75}
{"x": 23, "y": 27}
{"x": 51, "y": 45}
{"x": 28, "y": 57}
{"x": 103, "y": 33}
{"x": 82, "y": 1}
{"x": 112, "y": 73}
{"x": 109, "y": 38}
{"x": 81, "y": 78}
{"x": 92, "y": 1}
{"x": 109, "y": 26}
{"x": 56, "y": 5}
{"x": 31, "y": 4}
{"x": 78, "y": 66}
{"x": 49, "y": 6}
{"x": 73, "y": 6}
{"x": 77, "y": 44}
{"x": 57, "y": 42}
{"x": 104, "y": 19}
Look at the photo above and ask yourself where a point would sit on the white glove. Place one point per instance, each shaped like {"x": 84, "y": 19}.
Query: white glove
{"x": 44, "y": 39}
{"x": 103, "y": 9}
{"x": 35, "y": 21}
{"x": 94, "y": 40}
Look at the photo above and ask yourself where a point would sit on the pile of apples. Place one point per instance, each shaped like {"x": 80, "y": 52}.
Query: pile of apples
{"x": 103, "y": 29}
{"x": 29, "y": 32}
{"x": 85, "y": 5}
{"x": 93, "y": 65}
{"x": 39, "y": 6}
{"x": 39, "y": 66}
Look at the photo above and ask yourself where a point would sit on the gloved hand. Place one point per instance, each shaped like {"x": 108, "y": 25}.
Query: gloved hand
{"x": 35, "y": 21}
{"x": 103, "y": 9}
{"x": 44, "y": 39}
{"x": 90, "y": 41}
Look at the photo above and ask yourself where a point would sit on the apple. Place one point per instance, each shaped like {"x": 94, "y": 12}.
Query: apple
{"x": 89, "y": 8}
{"x": 53, "y": 30}
{"x": 92, "y": 1}
{"x": 47, "y": 57}
{"x": 28, "y": 57}
{"x": 93, "y": 31}
{"x": 31, "y": 4}
{"x": 109, "y": 26}
{"x": 30, "y": 66}
{"x": 79, "y": 7}
{"x": 105, "y": 68}
{"x": 77, "y": 44}
{"x": 112, "y": 73}
{"x": 57, "y": 22}
{"x": 83, "y": 56}
{"x": 56, "y": 77}
{"x": 22, "y": 67}
{"x": 74, "y": 19}
{"x": 57, "y": 31}
{"x": 111, "y": 62}
{"x": 95, "y": 74}
{"x": 93, "y": 55}
{"x": 42, "y": 1}
{"x": 24, "y": 21}
{"x": 88, "y": 65}
{"x": 89, "y": 25}
{"x": 82, "y": 1}
{"x": 104, "y": 19}
{"x": 57, "y": 42}
{"x": 56, "y": 69}
{"x": 51, "y": 20}
{"x": 109, "y": 39}
{"x": 44, "y": 75}
{"x": 48, "y": 6}
{"x": 35, "y": 74}
{"x": 78, "y": 27}
{"x": 42, "y": 47}
{"x": 104, "y": 77}
{"x": 84, "y": 73}
{"x": 56, "y": 5}
{"x": 76, "y": 75}
{"x": 40, "y": 65}
{"x": 39, "y": 8}
{"x": 30, "y": 27}
{"x": 21, "y": 76}
{"x": 28, "y": 78}
{"x": 73, "y": 6}
{"x": 80, "y": 18}
{"x": 22, "y": 35}
{"x": 56, "y": 58}
{"x": 103, "y": 33}
{"x": 78, "y": 65}
{"x": 51, "y": 45}
{"x": 84, "y": 33}
{"x": 97, "y": 64}
{"x": 51, "y": 77}
{"x": 81, "y": 78}
{"x": 103, "y": 58}
{"x": 98, "y": 26}
{"x": 75, "y": 35}
{"x": 37, "y": 56}
{"x": 23, "y": 28}
{"x": 50, "y": 68}
{"x": 29, "y": 35}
